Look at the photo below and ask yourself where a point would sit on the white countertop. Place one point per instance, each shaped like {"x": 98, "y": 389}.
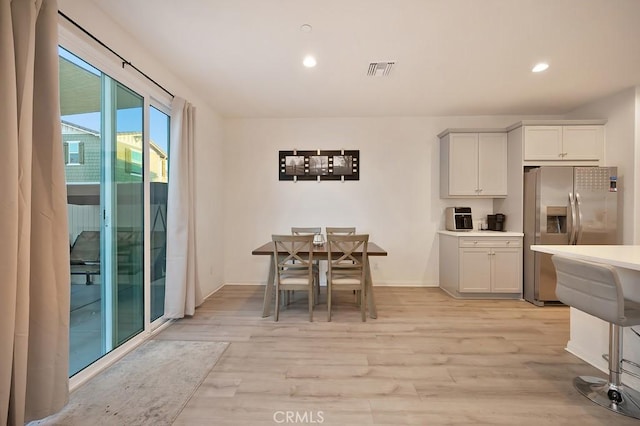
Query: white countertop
{"x": 620, "y": 256}
{"x": 481, "y": 234}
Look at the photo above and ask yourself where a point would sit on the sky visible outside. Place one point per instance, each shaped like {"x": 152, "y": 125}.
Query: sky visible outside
{"x": 127, "y": 120}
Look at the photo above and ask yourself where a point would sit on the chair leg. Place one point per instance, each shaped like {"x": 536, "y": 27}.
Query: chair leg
{"x": 328, "y": 302}
{"x": 611, "y": 394}
{"x": 311, "y": 303}
{"x": 277, "y": 312}
{"x": 363, "y": 305}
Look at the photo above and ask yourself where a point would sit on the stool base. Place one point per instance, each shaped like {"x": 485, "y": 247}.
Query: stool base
{"x": 596, "y": 390}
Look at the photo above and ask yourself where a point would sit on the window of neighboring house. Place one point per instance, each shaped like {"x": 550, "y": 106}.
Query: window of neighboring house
{"x": 74, "y": 152}
{"x": 133, "y": 163}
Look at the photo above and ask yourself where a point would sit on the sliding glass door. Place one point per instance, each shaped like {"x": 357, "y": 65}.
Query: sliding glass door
{"x": 106, "y": 152}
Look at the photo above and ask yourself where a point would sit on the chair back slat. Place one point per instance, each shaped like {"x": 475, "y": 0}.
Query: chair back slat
{"x": 297, "y": 230}
{"x": 341, "y": 230}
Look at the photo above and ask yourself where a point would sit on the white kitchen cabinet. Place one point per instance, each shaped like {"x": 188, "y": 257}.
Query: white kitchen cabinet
{"x": 475, "y": 270}
{"x": 473, "y": 164}
{"x": 481, "y": 264}
{"x": 563, "y": 143}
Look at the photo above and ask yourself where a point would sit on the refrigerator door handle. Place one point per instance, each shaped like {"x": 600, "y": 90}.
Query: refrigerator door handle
{"x": 572, "y": 228}
{"x": 578, "y": 224}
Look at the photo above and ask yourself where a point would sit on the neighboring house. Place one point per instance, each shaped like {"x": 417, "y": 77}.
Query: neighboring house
{"x": 81, "y": 153}
{"x": 82, "y": 150}
{"x": 83, "y": 163}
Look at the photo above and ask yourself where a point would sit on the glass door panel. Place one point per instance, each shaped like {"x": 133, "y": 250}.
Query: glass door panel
{"x": 80, "y": 106}
{"x": 127, "y": 215}
{"x": 159, "y": 178}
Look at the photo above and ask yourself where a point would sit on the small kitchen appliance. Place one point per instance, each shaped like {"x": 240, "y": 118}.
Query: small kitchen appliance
{"x": 496, "y": 222}
{"x": 458, "y": 219}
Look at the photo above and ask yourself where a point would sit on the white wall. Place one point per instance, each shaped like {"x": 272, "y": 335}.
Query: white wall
{"x": 622, "y": 149}
{"x": 396, "y": 200}
{"x": 208, "y": 138}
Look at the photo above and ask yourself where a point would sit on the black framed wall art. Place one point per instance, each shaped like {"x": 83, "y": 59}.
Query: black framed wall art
{"x": 319, "y": 165}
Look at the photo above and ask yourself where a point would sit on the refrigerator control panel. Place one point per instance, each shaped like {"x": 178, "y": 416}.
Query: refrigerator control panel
{"x": 596, "y": 179}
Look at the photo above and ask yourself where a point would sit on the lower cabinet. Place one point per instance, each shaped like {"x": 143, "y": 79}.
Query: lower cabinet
{"x": 481, "y": 265}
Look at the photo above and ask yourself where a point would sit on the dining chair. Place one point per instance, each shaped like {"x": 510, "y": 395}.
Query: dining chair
{"x": 347, "y": 267}
{"x": 340, "y": 230}
{"x": 311, "y": 230}
{"x": 293, "y": 261}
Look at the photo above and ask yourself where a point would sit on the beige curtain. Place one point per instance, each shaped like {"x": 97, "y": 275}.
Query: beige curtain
{"x": 182, "y": 290}
{"x": 34, "y": 250}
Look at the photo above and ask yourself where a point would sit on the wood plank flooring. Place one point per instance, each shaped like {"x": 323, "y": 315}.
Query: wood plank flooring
{"x": 427, "y": 360}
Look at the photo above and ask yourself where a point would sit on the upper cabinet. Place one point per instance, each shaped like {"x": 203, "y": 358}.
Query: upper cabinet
{"x": 570, "y": 142}
{"x": 473, "y": 164}
{"x": 562, "y": 143}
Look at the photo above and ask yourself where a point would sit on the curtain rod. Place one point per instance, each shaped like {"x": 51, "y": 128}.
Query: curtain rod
{"x": 124, "y": 61}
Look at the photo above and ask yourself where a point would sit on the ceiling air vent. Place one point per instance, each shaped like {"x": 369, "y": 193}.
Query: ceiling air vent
{"x": 380, "y": 69}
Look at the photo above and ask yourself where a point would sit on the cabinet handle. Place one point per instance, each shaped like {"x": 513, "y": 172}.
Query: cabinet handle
{"x": 508, "y": 242}
{"x": 475, "y": 242}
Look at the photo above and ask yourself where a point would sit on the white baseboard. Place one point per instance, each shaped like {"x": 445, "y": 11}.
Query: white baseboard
{"x": 214, "y": 291}
{"x": 587, "y": 356}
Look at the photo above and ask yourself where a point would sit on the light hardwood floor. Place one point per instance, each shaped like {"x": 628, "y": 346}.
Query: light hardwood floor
{"x": 427, "y": 360}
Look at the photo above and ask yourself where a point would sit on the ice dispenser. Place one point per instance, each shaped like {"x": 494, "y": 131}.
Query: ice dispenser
{"x": 556, "y": 220}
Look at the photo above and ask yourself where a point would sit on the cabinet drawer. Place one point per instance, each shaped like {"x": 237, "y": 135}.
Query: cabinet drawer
{"x": 489, "y": 242}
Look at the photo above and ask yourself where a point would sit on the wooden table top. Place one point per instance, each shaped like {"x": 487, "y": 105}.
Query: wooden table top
{"x": 267, "y": 249}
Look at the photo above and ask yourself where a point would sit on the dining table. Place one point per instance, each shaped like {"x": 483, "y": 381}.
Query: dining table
{"x": 320, "y": 252}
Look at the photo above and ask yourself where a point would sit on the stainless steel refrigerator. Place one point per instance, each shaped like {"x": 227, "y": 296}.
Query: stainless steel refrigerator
{"x": 565, "y": 205}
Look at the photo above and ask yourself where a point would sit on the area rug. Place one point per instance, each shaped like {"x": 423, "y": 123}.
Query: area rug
{"x": 149, "y": 386}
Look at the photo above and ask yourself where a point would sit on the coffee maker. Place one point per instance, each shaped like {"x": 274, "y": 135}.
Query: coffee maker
{"x": 496, "y": 222}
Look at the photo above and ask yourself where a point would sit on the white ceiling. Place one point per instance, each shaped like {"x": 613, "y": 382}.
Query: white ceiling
{"x": 453, "y": 57}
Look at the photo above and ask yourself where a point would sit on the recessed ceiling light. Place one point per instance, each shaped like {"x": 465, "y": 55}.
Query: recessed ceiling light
{"x": 309, "y": 61}
{"x": 306, "y": 28}
{"x": 540, "y": 67}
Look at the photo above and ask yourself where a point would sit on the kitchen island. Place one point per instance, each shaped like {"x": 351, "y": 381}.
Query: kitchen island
{"x": 589, "y": 336}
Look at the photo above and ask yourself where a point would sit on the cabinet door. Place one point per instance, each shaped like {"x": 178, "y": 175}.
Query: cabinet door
{"x": 506, "y": 270}
{"x": 463, "y": 164}
{"x": 543, "y": 143}
{"x": 582, "y": 142}
{"x": 492, "y": 164}
{"x": 475, "y": 270}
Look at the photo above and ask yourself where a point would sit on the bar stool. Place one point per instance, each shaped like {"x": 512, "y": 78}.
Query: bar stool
{"x": 595, "y": 289}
